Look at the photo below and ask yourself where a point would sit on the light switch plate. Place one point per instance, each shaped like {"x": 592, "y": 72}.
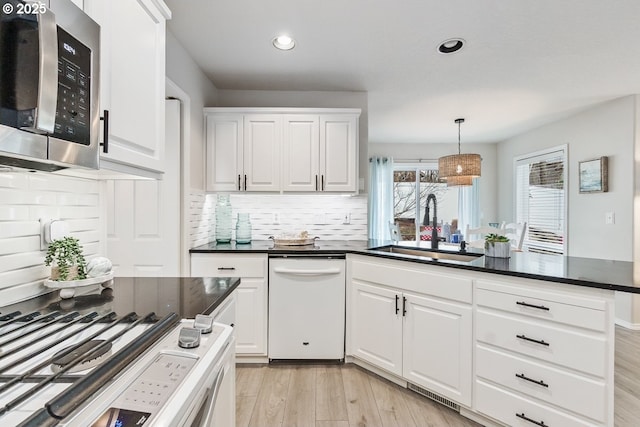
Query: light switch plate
{"x": 610, "y": 218}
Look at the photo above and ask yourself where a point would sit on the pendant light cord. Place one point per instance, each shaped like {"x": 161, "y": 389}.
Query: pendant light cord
{"x": 459, "y": 121}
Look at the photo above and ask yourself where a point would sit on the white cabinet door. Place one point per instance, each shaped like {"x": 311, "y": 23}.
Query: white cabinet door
{"x": 132, "y": 80}
{"x": 262, "y": 141}
{"x": 437, "y": 346}
{"x": 338, "y": 152}
{"x": 376, "y": 326}
{"x": 251, "y": 317}
{"x": 224, "y": 152}
{"x": 301, "y": 152}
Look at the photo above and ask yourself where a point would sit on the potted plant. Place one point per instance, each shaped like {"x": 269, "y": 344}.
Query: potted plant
{"x": 497, "y": 246}
{"x": 66, "y": 259}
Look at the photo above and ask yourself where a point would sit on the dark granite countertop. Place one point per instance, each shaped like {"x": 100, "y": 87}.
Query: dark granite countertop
{"x": 589, "y": 272}
{"x": 185, "y": 296}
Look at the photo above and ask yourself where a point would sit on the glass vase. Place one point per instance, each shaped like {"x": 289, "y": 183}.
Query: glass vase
{"x": 243, "y": 228}
{"x": 223, "y": 219}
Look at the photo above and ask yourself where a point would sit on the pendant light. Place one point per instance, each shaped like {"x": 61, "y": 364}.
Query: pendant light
{"x": 459, "y": 169}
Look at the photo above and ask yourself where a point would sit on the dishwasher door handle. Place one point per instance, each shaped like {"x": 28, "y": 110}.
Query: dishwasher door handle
{"x": 307, "y": 272}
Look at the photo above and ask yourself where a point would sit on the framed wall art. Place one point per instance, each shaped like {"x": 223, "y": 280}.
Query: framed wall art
{"x": 593, "y": 175}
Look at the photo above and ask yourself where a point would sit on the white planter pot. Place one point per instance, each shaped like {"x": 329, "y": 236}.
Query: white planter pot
{"x": 497, "y": 249}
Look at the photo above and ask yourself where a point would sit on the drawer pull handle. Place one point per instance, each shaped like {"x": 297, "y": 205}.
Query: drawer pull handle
{"x": 526, "y": 338}
{"x": 227, "y": 268}
{"x": 538, "y": 423}
{"x": 539, "y": 307}
{"x": 524, "y": 377}
{"x": 397, "y": 308}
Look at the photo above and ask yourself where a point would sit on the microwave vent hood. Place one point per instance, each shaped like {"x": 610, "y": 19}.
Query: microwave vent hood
{"x": 17, "y": 162}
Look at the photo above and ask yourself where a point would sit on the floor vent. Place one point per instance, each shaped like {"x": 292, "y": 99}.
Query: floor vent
{"x": 435, "y": 397}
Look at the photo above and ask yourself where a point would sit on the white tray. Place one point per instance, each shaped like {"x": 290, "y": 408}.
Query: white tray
{"x": 68, "y": 287}
{"x": 293, "y": 241}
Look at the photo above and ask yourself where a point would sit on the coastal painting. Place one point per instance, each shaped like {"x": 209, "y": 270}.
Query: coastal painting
{"x": 593, "y": 175}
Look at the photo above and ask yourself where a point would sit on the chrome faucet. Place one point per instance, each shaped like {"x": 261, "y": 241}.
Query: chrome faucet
{"x": 434, "y": 231}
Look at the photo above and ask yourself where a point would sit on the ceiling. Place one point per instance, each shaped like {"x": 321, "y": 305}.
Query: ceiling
{"x": 525, "y": 63}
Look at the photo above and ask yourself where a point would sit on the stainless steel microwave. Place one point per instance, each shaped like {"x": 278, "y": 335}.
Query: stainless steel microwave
{"x": 49, "y": 85}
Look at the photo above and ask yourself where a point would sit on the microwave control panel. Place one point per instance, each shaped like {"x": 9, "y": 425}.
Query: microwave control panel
{"x": 73, "y": 110}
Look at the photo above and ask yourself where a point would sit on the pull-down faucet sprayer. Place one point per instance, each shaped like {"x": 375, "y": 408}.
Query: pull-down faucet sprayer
{"x": 434, "y": 231}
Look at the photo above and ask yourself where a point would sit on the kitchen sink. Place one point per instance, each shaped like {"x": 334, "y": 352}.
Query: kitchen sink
{"x": 430, "y": 253}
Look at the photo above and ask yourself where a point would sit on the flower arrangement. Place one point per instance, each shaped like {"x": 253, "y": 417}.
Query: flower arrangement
{"x": 66, "y": 259}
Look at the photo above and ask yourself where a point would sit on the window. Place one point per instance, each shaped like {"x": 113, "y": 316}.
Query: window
{"x": 541, "y": 200}
{"x": 411, "y": 185}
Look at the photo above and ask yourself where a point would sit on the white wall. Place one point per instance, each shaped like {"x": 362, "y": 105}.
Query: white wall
{"x": 25, "y": 197}
{"x": 605, "y": 130}
{"x": 488, "y": 201}
{"x": 185, "y": 73}
{"x": 609, "y": 130}
{"x": 317, "y": 99}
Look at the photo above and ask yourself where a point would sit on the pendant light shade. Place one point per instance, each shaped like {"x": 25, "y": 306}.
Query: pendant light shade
{"x": 458, "y": 181}
{"x": 459, "y": 169}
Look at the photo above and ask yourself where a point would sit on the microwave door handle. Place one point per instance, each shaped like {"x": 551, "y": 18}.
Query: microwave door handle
{"x": 48, "y": 72}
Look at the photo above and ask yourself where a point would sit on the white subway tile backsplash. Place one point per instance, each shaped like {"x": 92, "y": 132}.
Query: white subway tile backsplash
{"x": 320, "y": 215}
{"x": 25, "y": 198}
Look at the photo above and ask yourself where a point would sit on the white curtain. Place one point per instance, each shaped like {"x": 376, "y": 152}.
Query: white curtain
{"x": 469, "y": 206}
{"x": 380, "y": 197}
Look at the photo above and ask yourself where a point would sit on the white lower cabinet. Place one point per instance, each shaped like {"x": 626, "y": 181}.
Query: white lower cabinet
{"x": 437, "y": 346}
{"x": 376, "y": 326}
{"x": 250, "y": 297}
{"x": 424, "y": 337}
{"x": 543, "y": 353}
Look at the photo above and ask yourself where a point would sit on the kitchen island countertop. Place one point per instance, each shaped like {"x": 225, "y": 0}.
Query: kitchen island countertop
{"x": 185, "y": 296}
{"x": 589, "y": 272}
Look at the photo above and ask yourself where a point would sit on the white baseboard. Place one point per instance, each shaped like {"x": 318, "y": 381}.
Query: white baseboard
{"x": 628, "y": 325}
{"x": 251, "y": 359}
{"x": 384, "y": 374}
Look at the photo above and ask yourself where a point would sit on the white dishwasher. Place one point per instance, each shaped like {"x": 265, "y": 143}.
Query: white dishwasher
{"x": 306, "y": 307}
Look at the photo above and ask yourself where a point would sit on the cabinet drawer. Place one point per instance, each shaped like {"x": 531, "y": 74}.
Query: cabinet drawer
{"x": 573, "y": 392}
{"x": 503, "y": 405}
{"x": 582, "y": 352}
{"x": 543, "y": 305}
{"x": 228, "y": 265}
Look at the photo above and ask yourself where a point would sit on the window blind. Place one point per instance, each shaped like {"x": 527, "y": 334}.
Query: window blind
{"x": 541, "y": 200}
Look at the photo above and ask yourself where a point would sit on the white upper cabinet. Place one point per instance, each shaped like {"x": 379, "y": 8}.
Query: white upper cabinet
{"x": 224, "y": 152}
{"x": 132, "y": 81}
{"x": 262, "y": 141}
{"x": 338, "y": 152}
{"x": 301, "y": 152}
{"x": 282, "y": 149}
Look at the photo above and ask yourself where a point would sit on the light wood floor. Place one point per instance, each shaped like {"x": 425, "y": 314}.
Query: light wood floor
{"x": 348, "y": 396}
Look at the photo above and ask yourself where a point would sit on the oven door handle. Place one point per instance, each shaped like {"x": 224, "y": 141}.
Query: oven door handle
{"x": 47, "y": 72}
{"x": 211, "y": 403}
{"x": 307, "y": 272}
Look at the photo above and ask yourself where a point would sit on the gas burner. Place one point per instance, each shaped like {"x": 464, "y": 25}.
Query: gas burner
{"x": 94, "y": 356}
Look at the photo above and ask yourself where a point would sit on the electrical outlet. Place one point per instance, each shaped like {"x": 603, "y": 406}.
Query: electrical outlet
{"x": 276, "y": 218}
{"x": 346, "y": 218}
{"x": 610, "y": 218}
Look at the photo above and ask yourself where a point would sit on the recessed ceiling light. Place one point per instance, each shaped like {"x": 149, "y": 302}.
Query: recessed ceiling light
{"x": 284, "y": 42}
{"x": 451, "y": 45}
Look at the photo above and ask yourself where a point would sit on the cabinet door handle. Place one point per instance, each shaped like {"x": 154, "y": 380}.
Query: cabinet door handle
{"x": 404, "y": 306}
{"x": 526, "y": 338}
{"x": 105, "y": 131}
{"x": 316, "y": 182}
{"x": 322, "y": 187}
{"x": 397, "y": 306}
{"x": 538, "y": 423}
{"x": 539, "y": 307}
{"x": 239, "y": 188}
{"x": 226, "y": 268}
{"x": 245, "y": 182}
{"x": 524, "y": 377}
